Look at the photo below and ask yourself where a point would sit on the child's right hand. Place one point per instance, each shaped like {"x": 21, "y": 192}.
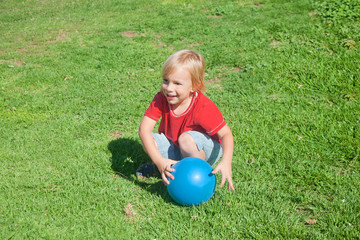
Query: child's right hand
{"x": 165, "y": 169}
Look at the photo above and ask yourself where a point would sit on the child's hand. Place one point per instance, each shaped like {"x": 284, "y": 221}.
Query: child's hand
{"x": 226, "y": 174}
{"x": 166, "y": 169}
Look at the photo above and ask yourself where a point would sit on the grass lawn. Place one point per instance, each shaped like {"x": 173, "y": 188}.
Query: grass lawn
{"x": 76, "y": 77}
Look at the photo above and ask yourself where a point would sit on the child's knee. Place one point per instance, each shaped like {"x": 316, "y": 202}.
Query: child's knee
{"x": 189, "y": 148}
{"x": 187, "y": 142}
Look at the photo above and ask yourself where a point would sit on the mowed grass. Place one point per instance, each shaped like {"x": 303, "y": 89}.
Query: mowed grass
{"x": 77, "y": 76}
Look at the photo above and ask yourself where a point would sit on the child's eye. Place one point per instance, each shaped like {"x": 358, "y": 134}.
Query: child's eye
{"x": 165, "y": 81}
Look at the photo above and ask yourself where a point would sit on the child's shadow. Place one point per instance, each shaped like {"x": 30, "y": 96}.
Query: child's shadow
{"x": 127, "y": 155}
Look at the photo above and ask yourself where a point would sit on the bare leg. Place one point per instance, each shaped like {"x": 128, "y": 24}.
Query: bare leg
{"x": 189, "y": 148}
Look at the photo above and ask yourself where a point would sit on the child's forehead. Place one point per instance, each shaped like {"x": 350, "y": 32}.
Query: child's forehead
{"x": 177, "y": 69}
{"x": 179, "y": 73}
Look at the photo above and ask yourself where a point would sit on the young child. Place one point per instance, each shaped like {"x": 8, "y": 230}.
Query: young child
{"x": 191, "y": 124}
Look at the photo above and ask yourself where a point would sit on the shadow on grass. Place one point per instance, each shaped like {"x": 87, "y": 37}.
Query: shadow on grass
{"x": 127, "y": 155}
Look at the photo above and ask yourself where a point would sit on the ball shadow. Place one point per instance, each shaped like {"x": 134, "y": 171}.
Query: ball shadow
{"x": 126, "y": 156}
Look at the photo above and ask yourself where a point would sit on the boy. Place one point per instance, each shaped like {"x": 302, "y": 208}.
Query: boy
{"x": 191, "y": 124}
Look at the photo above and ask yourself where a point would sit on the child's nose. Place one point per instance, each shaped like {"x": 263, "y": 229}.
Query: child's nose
{"x": 170, "y": 87}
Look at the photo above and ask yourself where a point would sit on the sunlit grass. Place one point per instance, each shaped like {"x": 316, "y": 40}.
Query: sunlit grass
{"x": 77, "y": 76}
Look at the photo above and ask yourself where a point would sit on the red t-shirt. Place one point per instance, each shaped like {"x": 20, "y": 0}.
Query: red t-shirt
{"x": 202, "y": 115}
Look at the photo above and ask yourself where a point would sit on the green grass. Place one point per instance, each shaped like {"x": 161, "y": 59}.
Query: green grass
{"x": 77, "y": 76}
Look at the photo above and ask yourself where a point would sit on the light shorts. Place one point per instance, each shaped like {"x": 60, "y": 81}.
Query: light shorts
{"x": 213, "y": 149}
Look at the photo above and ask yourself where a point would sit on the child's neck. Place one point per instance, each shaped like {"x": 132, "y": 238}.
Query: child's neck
{"x": 180, "y": 108}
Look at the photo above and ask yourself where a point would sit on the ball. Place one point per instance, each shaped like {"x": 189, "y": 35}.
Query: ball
{"x": 193, "y": 183}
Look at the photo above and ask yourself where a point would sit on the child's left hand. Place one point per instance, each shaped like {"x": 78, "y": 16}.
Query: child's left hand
{"x": 226, "y": 174}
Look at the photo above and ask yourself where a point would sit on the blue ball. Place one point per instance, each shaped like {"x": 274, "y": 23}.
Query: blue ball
{"x": 193, "y": 184}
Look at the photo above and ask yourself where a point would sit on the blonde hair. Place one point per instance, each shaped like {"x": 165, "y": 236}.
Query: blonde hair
{"x": 193, "y": 62}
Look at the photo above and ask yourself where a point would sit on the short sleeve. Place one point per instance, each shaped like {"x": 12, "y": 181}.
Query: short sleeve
{"x": 155, "y": 109}
{"x": 210, "y": 118}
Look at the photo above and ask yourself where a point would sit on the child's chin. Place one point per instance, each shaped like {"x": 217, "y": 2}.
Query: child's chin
{"x": 172, "y": 102}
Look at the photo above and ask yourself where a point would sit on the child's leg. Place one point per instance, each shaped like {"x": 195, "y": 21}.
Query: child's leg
{"x": 166, "y": 148}
{"x": 189, "y": 148}
{"x": 203, "y": 144}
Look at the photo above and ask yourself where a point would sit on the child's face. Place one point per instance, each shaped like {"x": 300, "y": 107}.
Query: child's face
{"x": 177, "y": 88}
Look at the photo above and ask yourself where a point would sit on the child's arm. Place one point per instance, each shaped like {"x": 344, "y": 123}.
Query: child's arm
{"x": 225, "y": 165}
{"x": 164, "y": 165}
